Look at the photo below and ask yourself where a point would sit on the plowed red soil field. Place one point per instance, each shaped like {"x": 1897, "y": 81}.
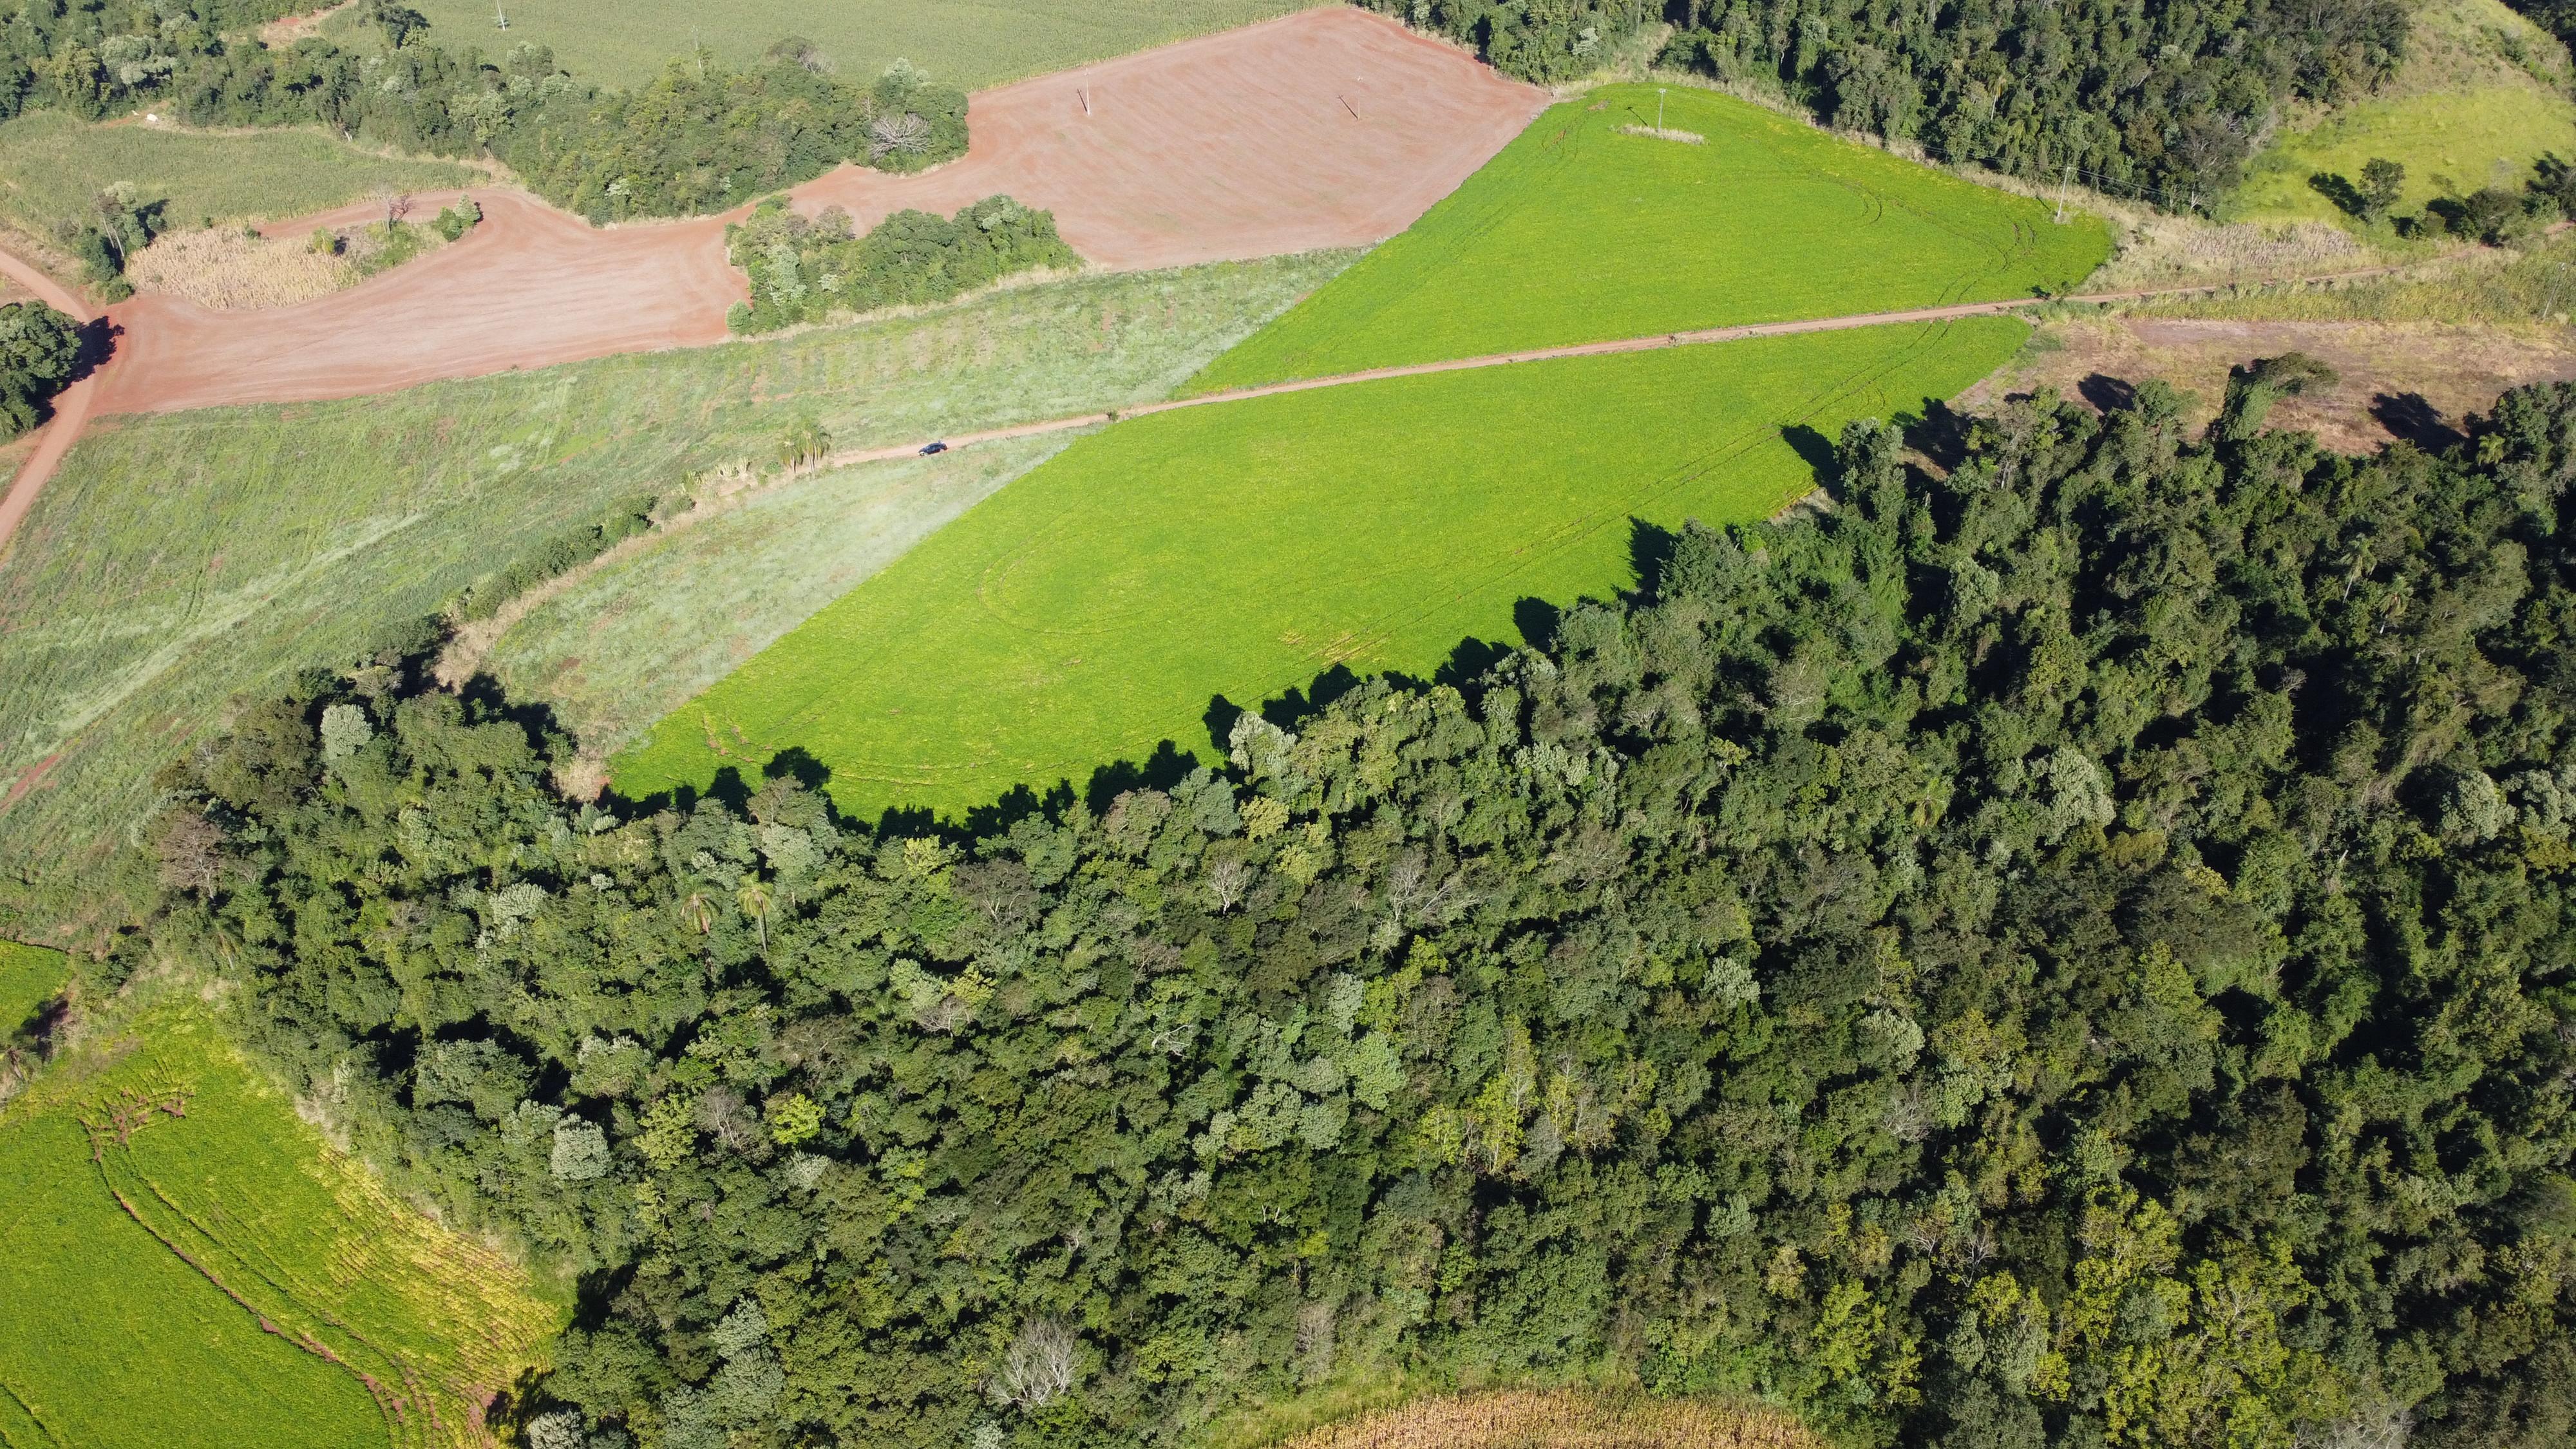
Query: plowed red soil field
{"x": 1332, "y": 127}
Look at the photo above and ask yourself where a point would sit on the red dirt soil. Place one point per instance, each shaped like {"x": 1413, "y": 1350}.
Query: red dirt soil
{"x": 1332, "y": 127}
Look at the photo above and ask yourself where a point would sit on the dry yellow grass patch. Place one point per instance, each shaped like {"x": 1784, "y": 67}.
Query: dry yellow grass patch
{"x": 1564, "y": 1419}
{"x": 229, "y": 270}
{"x": 223, "y": 269}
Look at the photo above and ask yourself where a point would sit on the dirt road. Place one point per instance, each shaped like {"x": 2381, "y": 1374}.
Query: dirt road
{"x": 71, "y": 408}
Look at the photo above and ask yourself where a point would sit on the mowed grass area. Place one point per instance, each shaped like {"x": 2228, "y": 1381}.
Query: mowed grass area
{"x": 177, "y": 560}
{"x": 619, "y": 647}
{"x": 113, "y": 1339}
{"x": 965, "y": 42}
{"x": 2463, "y": 111}
{"x": 51, "y": 165}
{"x": 1578, "y": 232}
{"x": 1097, "y": 607}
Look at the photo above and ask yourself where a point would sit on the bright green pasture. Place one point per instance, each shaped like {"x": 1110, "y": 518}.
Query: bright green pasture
{"x": 29, "y": 977}
{"x": 112, "y": 1338}
{"x": 51, "y": 165}
{"x": 2482, "y": 95}
{"x": 1099, "y": 605}
{"x": 178, "y": 560}
{"x": 966, "y": 42}
{"x": 1577, "y": 232}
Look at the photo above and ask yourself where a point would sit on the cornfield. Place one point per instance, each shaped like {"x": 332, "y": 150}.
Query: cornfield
{"x": 1564, "y": 1419}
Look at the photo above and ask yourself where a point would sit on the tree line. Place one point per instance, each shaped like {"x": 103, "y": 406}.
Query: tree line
{"x": 701, "y": 136}
{"x": 2071, "y": 947}
{"x": 2162, "y": 102}
{"x": 810, "y": 269}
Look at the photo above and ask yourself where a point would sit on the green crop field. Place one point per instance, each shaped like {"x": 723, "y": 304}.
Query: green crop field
{"x": 1578, "y": 232}
{"x": 967, "y": 42}
{"x": 2482, "y": 95}
{"x": 114, "y": 1338}
{"x": 177, "y": 560}
{"x": 29, "y": 977}
{"x": 1098, "y": 606}
{"x": 51, "y": 165}
{"x": 633, "y": 639}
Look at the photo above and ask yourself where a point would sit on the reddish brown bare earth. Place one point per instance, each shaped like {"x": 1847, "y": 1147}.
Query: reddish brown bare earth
{"x": 1332, "y": 127}
{"x": 2417, "y": 381}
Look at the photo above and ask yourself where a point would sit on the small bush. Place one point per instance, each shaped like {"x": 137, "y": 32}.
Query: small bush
{"x": 455, "y": 221}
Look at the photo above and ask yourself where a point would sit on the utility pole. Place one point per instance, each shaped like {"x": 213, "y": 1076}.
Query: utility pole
{"x": 1659, "y": 110}
{"x": 2062, "y": 183}
{"x": 500, "y": 17}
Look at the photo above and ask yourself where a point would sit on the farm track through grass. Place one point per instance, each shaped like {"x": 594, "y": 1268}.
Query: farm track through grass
{"x": 1578, "y": 232}
{"x": 180, "y": 559}
{"x": 622, "y": 647}
{"x": 1102, "y": 605}
{"x": 188, "y": 1265}
{"x": 971, "y": 43}
{"x": 51, "y": 165}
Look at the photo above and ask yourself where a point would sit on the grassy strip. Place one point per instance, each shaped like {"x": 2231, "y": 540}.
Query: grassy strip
{"x": 176, "y": 560}
{"x": 115, "y": 1338}
{"x": 2534, "y": 285}
{"x": 1565, "y": 1418}
{"x": 630, "y": 641}
{"x": 1108, "y": 602}
{"x": 1579, "y": 232}
{"x": 964, "y": 42}
{"x": 51, "y": 165}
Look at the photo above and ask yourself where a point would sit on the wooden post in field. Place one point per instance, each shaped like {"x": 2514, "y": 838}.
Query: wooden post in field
{"x": 1659, "y": 110}
{"x": 2062, "y": 182}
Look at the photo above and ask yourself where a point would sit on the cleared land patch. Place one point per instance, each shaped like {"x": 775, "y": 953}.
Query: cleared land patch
{"x": 52, "y": 164}
{"x": 966, "y": 42}
{"x": 1097, "y": 607}
{"x": 1577, "y": 232}
{"x": 178, "y": 559}
{"x": 1563, "y": 1419}
{"x": 184, "y": 1262}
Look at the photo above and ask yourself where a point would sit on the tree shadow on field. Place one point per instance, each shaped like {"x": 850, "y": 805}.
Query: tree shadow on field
{"x": 1940, "y": 435}
{"x": 2107, "y": 393}
{"x": 2411, "y": 417}
{"x": 1816, "y": 451}
{"x": 1169, "y": 765}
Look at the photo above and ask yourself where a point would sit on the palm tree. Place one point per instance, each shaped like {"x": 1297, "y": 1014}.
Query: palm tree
{"x": 696, "y": 906}
{"x": 755, "y": 898}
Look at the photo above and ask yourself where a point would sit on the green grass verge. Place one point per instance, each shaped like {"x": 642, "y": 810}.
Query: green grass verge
{"x": 635, "y": 638}
{"x": 51, "y": 165}
{"x": 1097, "y": 607}
{"x": 176, "y": 560}
{"x": 2463, "y": 109}
{"x": 29, "y": 977}
{"x": 1578, "y": 232}
{"x": 965, "y": 42}
{"x": 112, "y": 1338}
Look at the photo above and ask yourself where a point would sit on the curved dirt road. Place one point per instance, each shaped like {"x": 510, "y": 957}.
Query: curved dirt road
{"x": 71, "y": 407}
{"x": 1331, "y": 127}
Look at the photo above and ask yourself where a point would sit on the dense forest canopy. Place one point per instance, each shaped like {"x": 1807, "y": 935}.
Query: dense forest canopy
{"x": 700, "y": 137}
{"x": 2161, "y": 100}
{"x": 2073, "y": 949}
